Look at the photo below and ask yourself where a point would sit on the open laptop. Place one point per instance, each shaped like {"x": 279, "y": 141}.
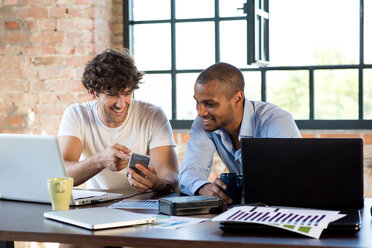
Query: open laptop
{"x": 321, "y": 173}
{"x": 26, "y": 161}
{"x": 100, "y": 218}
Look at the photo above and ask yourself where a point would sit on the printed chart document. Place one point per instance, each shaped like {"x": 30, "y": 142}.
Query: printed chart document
{"x": 307, "y": 222}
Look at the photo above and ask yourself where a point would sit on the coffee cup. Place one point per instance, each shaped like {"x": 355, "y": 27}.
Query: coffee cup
{"x": 234, "y": 183}
{"x": 60, "y": 191}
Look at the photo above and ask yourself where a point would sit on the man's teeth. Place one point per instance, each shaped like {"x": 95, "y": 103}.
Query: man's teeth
{"x": 118, "y": 110}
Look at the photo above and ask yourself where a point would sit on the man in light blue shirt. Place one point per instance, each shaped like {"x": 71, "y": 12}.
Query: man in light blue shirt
{"x": 224, "y": 117}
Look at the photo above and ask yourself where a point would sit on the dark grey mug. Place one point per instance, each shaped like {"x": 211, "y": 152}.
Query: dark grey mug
{"x": 234, "y": 183}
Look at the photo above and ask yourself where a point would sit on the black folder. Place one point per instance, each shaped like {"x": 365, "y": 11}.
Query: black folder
{"x": 320, "y": 173}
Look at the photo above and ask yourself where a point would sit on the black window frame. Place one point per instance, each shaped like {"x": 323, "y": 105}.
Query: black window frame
{"x": 310, "y": 123}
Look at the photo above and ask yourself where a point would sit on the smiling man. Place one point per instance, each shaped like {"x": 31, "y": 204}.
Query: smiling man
{"x": 96, "y": 137}
{"x": 224, "y": 117}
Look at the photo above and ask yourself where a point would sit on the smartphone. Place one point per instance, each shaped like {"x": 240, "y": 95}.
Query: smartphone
{"x": 136, "y": 158}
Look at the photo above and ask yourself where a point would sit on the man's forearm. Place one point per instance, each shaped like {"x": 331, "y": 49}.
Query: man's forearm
{"x": 81, "y": 171}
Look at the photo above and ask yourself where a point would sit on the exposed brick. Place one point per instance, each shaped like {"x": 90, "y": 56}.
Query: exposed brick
{"x": 29, "y": 2}
{"x": 66, "y": 24}
{"x": 48, "y": 98}
{"x": 52, "y": 37}
{"x": 81, "y": 12}
{"x": 15, "y": 37}
{"x": 12, "y": 85}
{"x": 84, "y": 24}
{"x": 78, "y": 61}
{"x": 57, "y": 12}
{"x": 48, "y": 49}
{"x": 84, "y": 2}
{"x": 31, "y": 50}
{"x": 65, "y": 49}
{"x": 85, "y": 49}
{"x": 2, "y": 121}
{"x": 66, "y": 2}
{"x": 76, "y": 38}
{"x": 13, "y": 97}
{"x": 66, "y": 98}
{"x": 12, "y": 25}
{"x": 47, "y": 24}
{"x": 28, "y": 25}
{"x": 29, "y": 12}
{"x": 15, "y": 121}
{"x": 10, "y": 2}
{"x": 47, "y": 2}
{"x": 48, "y": 60}
{"x": 46, "y": 109}
{"x": 11, "y": 73}
{"x": 367, "y": 139}
{"x": 47, "y": 86}
{"x": 12, "y": 61}
{"x": 184, "y": 138}
{"x": 339, "y": 135}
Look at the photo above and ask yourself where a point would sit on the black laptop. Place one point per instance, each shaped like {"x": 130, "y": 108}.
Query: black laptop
{"x": 321, "y": 173}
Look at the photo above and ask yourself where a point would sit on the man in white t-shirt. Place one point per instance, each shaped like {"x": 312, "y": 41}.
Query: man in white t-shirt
{"x": 96, "y": 137}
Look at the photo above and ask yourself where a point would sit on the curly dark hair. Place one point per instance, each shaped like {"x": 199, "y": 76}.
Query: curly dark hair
{"x": 111, "y": 72}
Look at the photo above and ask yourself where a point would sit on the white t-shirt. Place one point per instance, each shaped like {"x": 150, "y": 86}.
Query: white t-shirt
{"x": 145, "y": 127}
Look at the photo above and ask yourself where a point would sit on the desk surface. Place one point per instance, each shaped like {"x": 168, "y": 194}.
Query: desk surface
{"x": 20, "y": 221}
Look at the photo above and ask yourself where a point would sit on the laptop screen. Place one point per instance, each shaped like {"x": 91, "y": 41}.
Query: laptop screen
{"x": 317, "y": 173}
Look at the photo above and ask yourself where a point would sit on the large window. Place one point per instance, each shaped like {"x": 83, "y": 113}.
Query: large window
{"x": 320, "y": 62}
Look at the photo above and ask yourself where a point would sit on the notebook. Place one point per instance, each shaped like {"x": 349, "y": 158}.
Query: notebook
{"x": 324, "y": 173}
{"x": 100, "y": 218}
{"x": 26, "y": 161}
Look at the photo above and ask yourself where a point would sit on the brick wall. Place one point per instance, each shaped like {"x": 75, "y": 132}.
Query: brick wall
{"x": 44, "y": 45}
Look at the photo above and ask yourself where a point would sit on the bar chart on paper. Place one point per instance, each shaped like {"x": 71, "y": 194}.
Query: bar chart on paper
{"x": 307, "y": 222}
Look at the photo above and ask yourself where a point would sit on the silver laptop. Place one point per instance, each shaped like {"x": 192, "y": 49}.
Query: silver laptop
{"x": 100, "y": 218}
{"x": 26, "y": 161}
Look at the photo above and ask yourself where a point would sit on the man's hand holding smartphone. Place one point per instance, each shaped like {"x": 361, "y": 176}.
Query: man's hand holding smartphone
{"x": 145, "y": 179}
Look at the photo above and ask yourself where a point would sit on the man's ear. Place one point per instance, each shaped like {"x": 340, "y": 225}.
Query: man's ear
{"x": 93, "y": 93}
{"x": 238, "y": 99}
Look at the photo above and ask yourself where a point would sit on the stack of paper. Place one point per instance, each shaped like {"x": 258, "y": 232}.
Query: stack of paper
{"x": 307, "y": 222}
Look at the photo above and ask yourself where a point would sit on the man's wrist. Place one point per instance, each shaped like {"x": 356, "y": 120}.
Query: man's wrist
{"x": 197, "y": 192}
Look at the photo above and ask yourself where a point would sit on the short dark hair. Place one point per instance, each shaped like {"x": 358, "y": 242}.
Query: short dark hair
{"x": 111, "y": 72}
{"x": 228, "y": 75}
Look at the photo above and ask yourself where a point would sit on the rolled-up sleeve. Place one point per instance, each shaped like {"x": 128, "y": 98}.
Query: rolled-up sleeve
{"x": 198, "y": 161}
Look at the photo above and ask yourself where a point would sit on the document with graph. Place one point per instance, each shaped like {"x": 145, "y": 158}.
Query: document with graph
{"x": 304, "y": 221}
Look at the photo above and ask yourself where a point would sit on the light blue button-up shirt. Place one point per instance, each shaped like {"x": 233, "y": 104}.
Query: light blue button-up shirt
{"x": 260, "y": 120}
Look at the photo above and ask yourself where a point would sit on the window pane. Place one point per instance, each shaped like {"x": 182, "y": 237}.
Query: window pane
{"x": 152, "y": 46}
{"x": 336, "y": 94}
{"x": 289, "y": 90}
{"x": 156, "y": 89}
{"x": 144, "y": 10}
{"x": 229, "y": 8}
{"x": 367, "y": 90}
{"x": 186, "y": 105}
{"x": 368, "y": 31}
{"x": 314, "y": 32}
{"x": 194, "y": 9}
{"x": 234, "y": 42}
{"x": 195, "y": 45}
{"x": 252, "y": 89}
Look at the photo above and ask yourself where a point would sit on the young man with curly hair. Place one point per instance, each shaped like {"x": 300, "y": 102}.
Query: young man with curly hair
{"x": 96, "y": 137}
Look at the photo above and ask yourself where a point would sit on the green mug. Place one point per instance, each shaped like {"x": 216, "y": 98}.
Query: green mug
{"x": 60, "y": 191}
